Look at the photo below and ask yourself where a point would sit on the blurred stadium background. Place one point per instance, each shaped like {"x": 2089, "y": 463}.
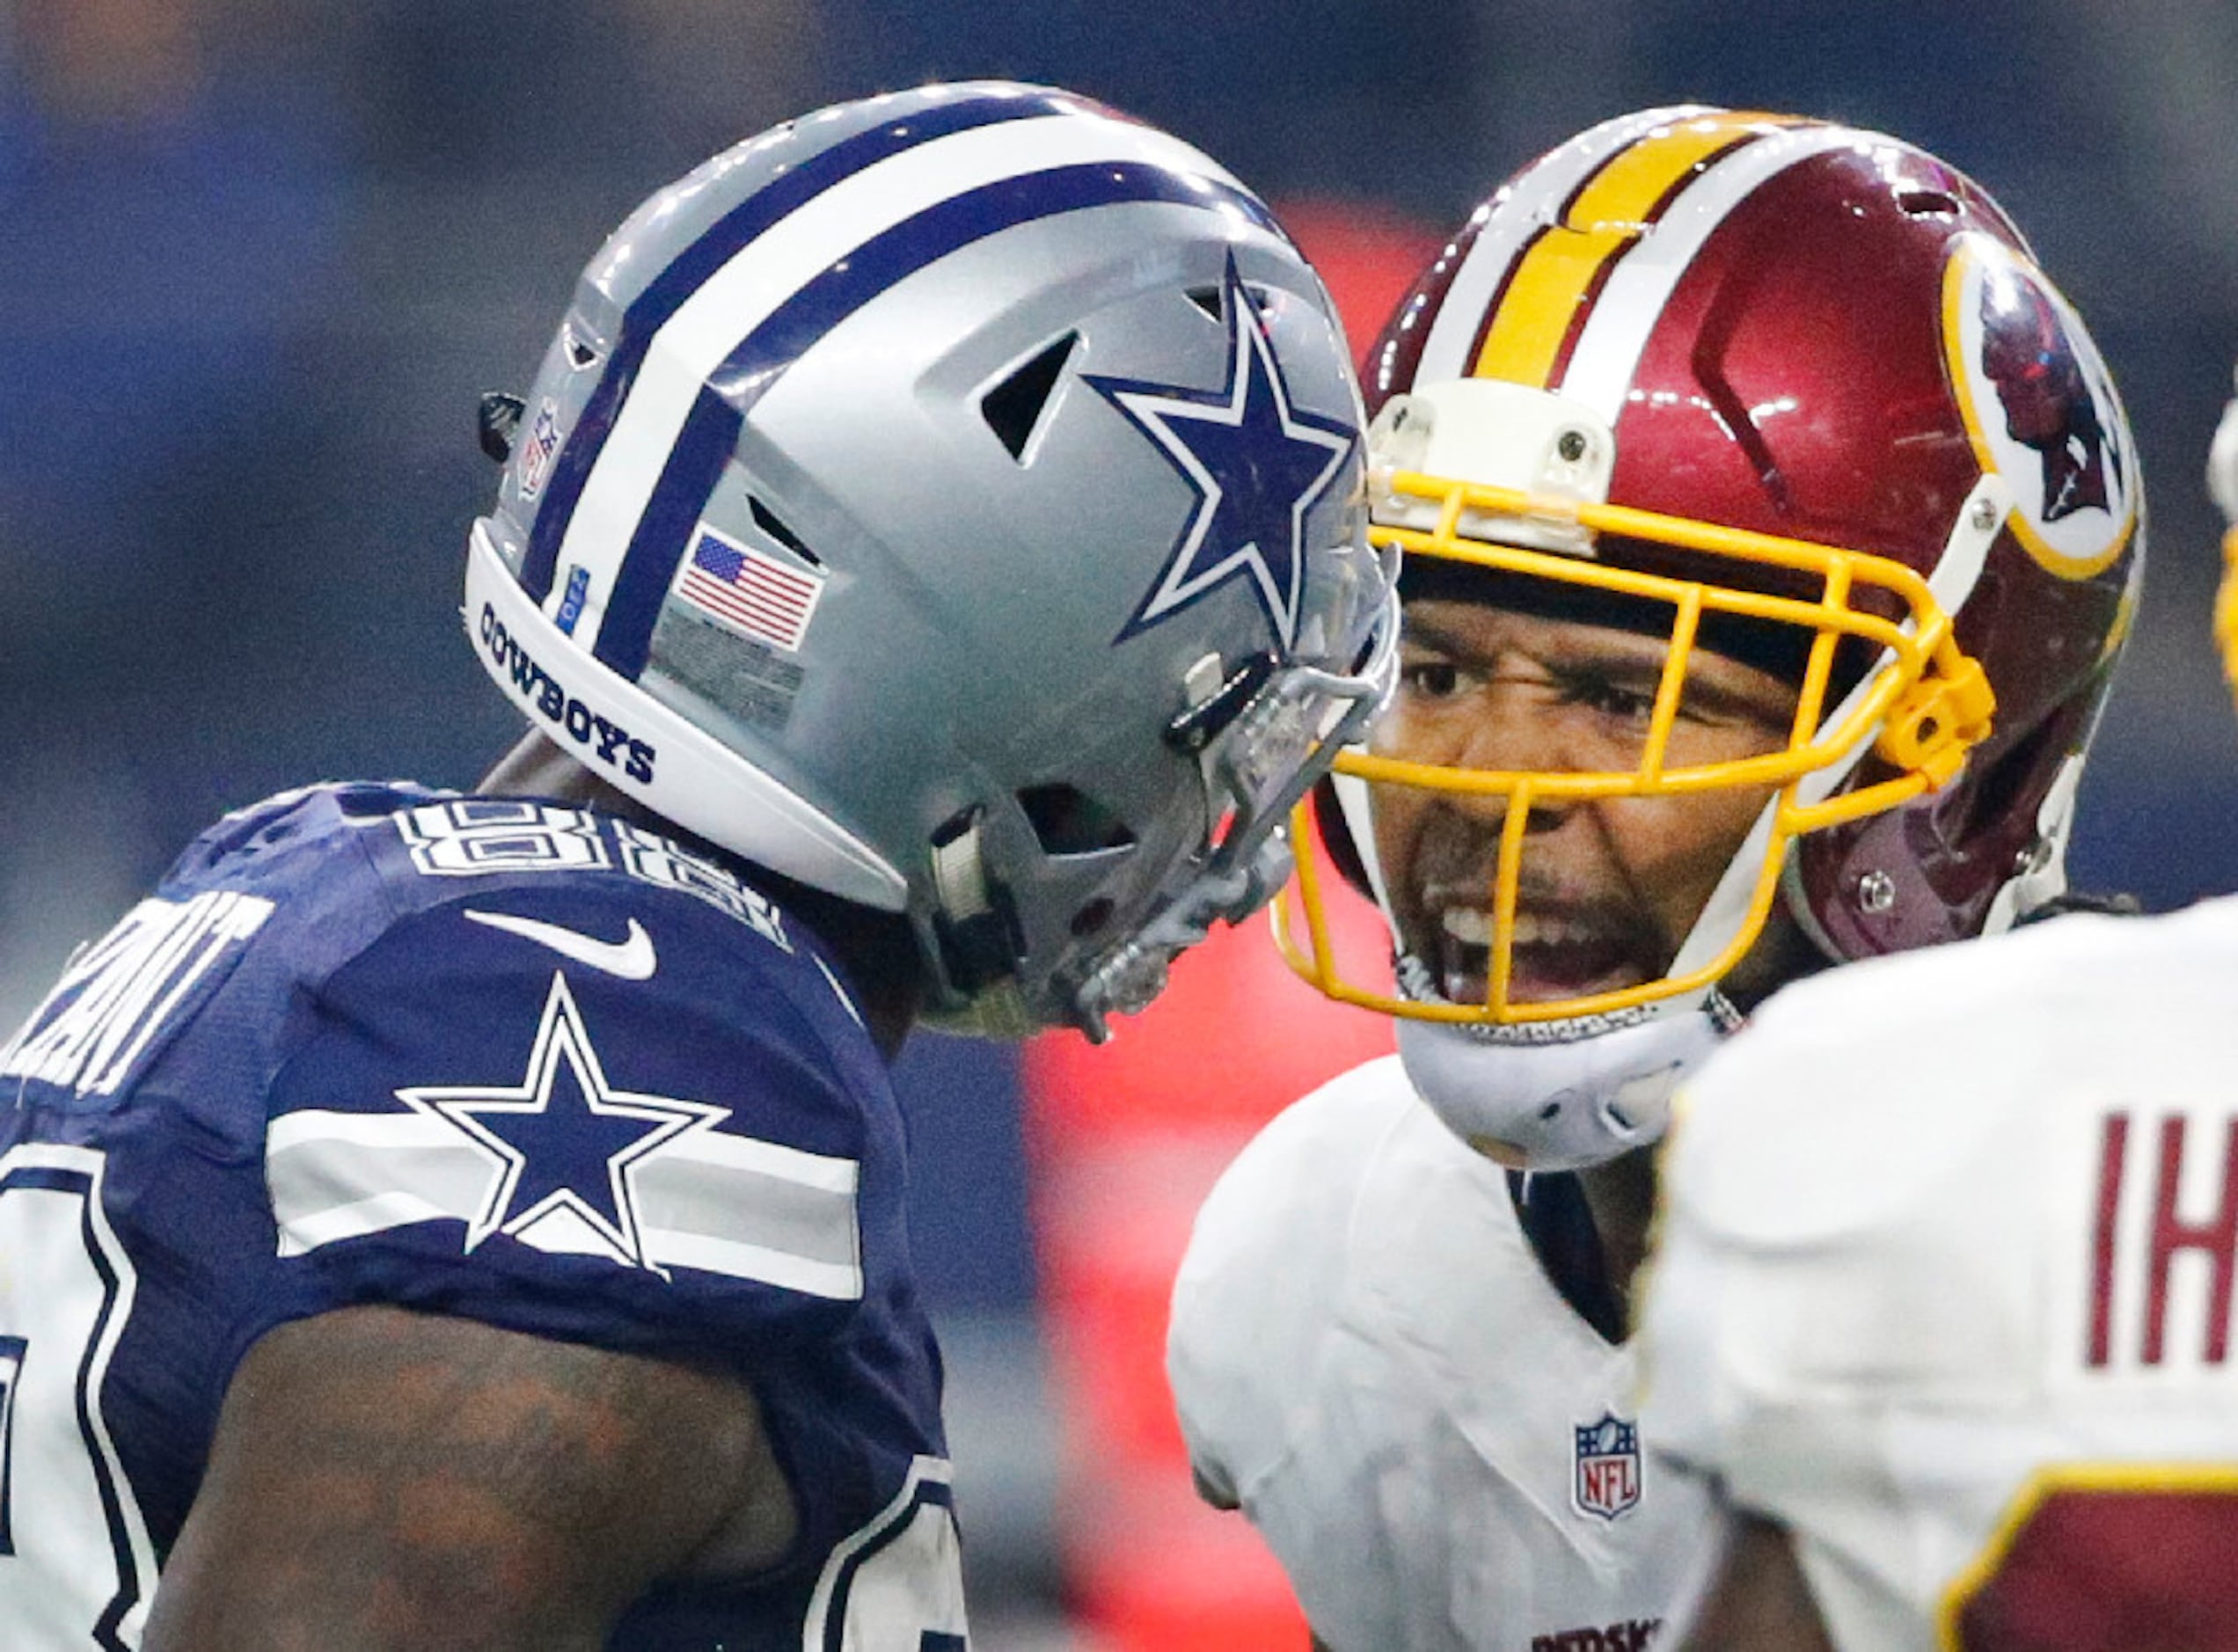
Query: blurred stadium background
{"x": 257, "y": 259}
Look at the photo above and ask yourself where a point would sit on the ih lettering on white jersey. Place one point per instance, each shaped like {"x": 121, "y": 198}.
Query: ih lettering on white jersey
{"x": 2164, "y": 1247}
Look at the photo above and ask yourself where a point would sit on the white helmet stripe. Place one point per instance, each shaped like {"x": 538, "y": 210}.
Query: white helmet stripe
{"x": 782, "y": 193}
{"x": 1532, "y": 201}
{"x": 769, "y": 271}
{"x": 1608, "y": 350}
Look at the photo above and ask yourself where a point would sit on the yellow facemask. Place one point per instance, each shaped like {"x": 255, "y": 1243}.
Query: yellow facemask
{"x": 1919, "y": 707}
{"x": 2226, "y": 611}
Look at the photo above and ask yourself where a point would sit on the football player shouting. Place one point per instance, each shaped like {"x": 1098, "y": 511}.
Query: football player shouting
{"x": 930, "y": 563}
{"x": 1744, "y": 631}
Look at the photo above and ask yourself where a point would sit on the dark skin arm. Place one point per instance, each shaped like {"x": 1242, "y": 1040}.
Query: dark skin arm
{"x": 1760, "y": 1601}
{"x": 382, "y": 1478}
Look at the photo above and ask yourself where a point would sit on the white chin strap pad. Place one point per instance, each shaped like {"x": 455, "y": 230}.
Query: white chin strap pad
{"x": 1560, "y": 1095}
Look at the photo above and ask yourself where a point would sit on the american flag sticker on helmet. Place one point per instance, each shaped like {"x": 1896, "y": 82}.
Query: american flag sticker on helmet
{"x": 768, "y": 599}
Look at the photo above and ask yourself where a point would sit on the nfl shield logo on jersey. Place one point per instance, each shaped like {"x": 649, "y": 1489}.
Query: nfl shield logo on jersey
{"x": 1607, "y": 1481}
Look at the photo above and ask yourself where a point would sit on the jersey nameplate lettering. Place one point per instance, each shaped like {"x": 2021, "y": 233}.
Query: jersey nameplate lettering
{"x": 474, "y": 836}
{"x": 2164, "y": 1239}
{"x": 120, "y": 993}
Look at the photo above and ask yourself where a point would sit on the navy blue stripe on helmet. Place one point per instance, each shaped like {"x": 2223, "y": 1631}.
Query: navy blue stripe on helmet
{"x": 669, "y": 291}
{"x": 710, "y": 433}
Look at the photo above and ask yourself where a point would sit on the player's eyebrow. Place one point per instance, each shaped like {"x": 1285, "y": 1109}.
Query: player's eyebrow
{"x": 1717, "y": 684}
{"x": 1428, "y": 634}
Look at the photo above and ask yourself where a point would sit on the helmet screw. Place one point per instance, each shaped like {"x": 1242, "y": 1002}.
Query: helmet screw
{"x": 1984, "y": 514}
{"x": 1571, "y": 446}
{"x": 1876, "y": 892}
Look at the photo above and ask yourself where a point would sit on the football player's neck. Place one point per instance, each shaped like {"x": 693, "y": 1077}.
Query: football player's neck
{"x": 1620, "y": 1194}
{"x": 876, "y": 950}
{"x": 534, "y": 767}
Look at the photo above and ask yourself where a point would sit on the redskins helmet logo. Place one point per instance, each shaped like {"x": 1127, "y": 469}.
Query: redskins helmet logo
{"x": 2040, "y": 408}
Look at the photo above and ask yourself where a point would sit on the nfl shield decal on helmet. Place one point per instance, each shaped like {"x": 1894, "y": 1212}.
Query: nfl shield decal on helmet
{"x": 536, "y": 453}
{"x": 1258, "y": 465}
{"x": 2040, "y": 408}
{"x": 1606, "y": 1480}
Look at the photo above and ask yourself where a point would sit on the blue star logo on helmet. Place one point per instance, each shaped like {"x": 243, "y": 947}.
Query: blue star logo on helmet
{"x": 1258, "y": 465}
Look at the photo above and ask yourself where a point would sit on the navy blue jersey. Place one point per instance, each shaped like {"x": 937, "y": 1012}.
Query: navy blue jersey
{"x": 508, "y": 1060}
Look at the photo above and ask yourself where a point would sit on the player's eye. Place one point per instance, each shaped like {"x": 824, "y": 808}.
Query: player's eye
{"x": 1431, "y": 679}
{"x": 1599, "y": 695}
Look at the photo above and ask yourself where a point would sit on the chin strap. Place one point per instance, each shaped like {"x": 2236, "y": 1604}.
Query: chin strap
{"x": 1559, "y": 1095}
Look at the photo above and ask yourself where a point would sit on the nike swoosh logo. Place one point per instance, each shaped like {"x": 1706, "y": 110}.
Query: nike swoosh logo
{"x": 631, "y": 958}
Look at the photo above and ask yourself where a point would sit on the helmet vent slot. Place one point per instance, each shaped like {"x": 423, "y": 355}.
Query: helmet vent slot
{"x": 1068, "y": 822}
{"x": 1014, "y": 407}
{"x": 768, "y": 521}
{"x": 1928, "y": 203}
{"x": 1208, "y": 299}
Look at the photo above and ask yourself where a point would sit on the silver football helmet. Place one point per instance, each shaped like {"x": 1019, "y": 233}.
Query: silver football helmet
{"x": 951, "y": 501}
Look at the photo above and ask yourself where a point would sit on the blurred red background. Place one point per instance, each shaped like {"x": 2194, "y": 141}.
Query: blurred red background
{"x": 1124, "y": 1141}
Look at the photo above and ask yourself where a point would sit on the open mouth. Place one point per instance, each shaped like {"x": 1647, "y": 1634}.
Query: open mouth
{"x": 1551, "y": 955}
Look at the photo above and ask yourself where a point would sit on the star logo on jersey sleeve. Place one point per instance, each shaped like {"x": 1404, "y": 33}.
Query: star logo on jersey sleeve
{"x": 1258, "y": 465}
{"x": 565, "y": 1143}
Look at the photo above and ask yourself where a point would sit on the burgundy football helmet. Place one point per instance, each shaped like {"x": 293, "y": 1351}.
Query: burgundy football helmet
{"x": 1802, "y": 392}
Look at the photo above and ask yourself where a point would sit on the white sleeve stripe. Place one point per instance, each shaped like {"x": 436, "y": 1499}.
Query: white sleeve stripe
{"x": 721, "y": 1203}
{"x": 840, "y": 1282}
{"x": 721, "y": 1152}
{"x": 744, "y": 1207}
{"x": 308, "y": 1230}
{"x": 385, "y": 1130}
{"x": 450, "y": 1178}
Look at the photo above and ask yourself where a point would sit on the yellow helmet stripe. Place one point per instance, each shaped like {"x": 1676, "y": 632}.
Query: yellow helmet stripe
{"x": 1531, "y": 201}
{"x": 1562, "y": 270}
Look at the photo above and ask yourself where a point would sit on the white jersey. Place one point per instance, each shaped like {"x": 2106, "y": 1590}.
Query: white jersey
{"x": 1366, "y": 1352}
{"x": 1945, "y": 1286}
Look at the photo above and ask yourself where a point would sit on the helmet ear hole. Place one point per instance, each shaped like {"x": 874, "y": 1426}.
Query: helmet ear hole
{"x": 2017, "y": 773}
{"x": 1067, "y": 821}
{"x": 496, "y": 421}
